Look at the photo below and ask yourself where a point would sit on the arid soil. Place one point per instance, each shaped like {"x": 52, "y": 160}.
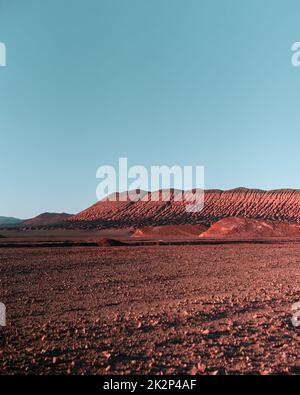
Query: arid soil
{"x": 203, "y": 309}
{"x": 63, "y": 235}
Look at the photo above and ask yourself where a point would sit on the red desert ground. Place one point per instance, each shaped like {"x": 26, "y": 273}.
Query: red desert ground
{"x": 145, "y": 287}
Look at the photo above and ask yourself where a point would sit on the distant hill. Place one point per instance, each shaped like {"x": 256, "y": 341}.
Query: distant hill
{"x": 45, "y": 219}
{"x": 9, "y": 222}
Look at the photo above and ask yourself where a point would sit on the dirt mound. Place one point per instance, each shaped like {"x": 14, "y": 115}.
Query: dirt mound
{"x": 250, "y": 229}
{"x": 46, "y": 219}
{"x": 169, "y": 231}
{"x": 110, "y": 243}
{"x": 278, "y": 205}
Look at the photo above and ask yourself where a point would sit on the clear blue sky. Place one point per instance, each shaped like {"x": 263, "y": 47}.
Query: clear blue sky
{"x": 200, "y": 82}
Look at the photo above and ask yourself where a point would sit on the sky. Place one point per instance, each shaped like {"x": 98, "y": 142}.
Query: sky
{"x": 161, "y": 82}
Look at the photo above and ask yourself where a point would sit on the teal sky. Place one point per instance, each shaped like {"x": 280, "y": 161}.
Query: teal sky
{"x": 187, "y": 82}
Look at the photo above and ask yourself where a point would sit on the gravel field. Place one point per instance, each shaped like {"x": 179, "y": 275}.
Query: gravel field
{"x": 202, "y": 309}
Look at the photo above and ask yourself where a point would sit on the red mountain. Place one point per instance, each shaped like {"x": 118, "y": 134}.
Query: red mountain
{"x": 278, "y": 205}
{"x": 169, "y": 231}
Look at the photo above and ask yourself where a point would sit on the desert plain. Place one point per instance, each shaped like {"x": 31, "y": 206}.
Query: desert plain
{"x": 222, "y": 308}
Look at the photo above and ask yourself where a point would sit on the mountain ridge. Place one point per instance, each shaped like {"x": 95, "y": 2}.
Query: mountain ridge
{"x": 281, "y": 205}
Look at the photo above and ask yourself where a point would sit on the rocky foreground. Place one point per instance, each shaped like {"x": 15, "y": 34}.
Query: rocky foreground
{"x": 171, "y": 309}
